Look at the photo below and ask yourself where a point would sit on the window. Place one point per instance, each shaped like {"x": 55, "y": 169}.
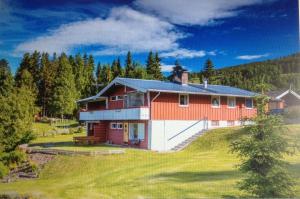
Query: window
{"x": 135, "y": 99}
{"x": 136, "y": 131}
{"x": 231, "y": 102}
{"x": 183, "y": 100}
{"x": 230, "y": 123}
{"x": 119, "y": 125}
{"x": 215, "y": 123}
{"x": 117, "y": 97}
{"x": 113, "y": 125}
{"x": 249, "y": 103}
{"x": 215, "y": 101}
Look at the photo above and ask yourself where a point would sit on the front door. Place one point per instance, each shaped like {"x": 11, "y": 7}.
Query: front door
{"x": 125, "y": 130}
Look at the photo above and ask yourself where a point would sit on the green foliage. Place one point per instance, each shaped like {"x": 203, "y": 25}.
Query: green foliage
{"x": 64, "y": 93}
{"x": 129, "y": 67}
{"x": 6, "y": 78}
{"x": 208, "y": 71}
{"x": 261, "y": 152}
{"x": 3, "y": 170}
{"x": 277, "y": 74}
{"x": 153, "y": 66}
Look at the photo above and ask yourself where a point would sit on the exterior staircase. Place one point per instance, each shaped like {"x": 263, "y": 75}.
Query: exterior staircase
{"x": 186, "y": 142}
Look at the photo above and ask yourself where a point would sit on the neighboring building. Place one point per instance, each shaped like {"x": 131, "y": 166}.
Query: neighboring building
{"x": 159, "y": 115}
{"x": 281, "y": 100}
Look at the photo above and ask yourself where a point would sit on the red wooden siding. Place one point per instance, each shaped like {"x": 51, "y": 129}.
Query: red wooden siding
{"x": 166, "y": 107}
{"x": 116, "y": 135}
{"x": 100, "y": 130}
{"x": 98, "y": 105}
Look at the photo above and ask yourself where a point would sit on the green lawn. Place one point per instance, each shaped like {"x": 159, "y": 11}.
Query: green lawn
{"x": 65, "y": 142}
{"x": 45, "y": 129}
{"x": 204, "y": 169}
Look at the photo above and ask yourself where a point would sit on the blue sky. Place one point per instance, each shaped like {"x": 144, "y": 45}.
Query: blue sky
{"x": 229, "y": 32}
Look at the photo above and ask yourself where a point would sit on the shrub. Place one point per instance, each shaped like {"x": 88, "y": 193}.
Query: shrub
{"x": 3, "y": 170}
{"x": 13, "y": 158}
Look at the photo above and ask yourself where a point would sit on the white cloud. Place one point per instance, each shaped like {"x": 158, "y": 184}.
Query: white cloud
{"x": 195, "y": 12}
{"x": 251, "y": 57}
{"x": 185, "y": 53}
{"x": 166, "y": 68}
{"x": 124, "y": 29}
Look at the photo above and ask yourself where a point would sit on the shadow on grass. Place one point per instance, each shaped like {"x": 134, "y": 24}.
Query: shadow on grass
{"x": 202, "y": 176}
{"x": 67, "y": 126}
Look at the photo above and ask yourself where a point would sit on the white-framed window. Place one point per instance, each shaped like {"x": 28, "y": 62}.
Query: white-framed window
{"x": 116, "y": 97}
{"x": 231, "y": 102}
{"x": 113, "y": 125}
{"x": 136, "y": 131}
{"x": 215, "y": 123}
{"x": 116, "y": 125}
{"x": 119, "y": 125}
{"x": 249, "y": 103}
{"x": 183, "y": 99}
{"x": 215, "y": 101}
{"x": 230, "y": 123}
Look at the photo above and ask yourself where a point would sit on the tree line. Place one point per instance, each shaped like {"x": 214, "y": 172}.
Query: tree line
{"x": 57, "y": 82}
{"x": 276, "y": 74}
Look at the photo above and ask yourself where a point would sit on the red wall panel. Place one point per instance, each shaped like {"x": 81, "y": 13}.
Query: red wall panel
{"x": 166, "y": 107}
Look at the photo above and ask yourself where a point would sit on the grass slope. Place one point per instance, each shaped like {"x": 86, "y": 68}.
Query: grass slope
{"x": 204, "y": 169}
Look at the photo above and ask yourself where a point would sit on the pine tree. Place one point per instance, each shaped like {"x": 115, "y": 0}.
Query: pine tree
{"x": 98, "y": 73}
{"x": 78, "y": 69}
{"x": 208, "y": 70}
{"x": 119, "y": 67}
{"x": 90, "y": 87}
{"x": 6, "y": 78}
{"x": 48, "y": 74}
{"x": 114, "y": 69}
{"x": 157, "y": 68}
{"x": 261, "y": 152}
{"x": 129, "y": 68}
{"x": 150, "y": 63}
{"x": 65, "y": 94}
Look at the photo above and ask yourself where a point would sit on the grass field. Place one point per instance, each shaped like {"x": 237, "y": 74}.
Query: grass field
{"x": 204, "y": 169}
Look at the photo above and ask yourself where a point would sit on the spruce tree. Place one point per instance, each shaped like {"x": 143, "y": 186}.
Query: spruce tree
{"x": 115, "y": 69}
{"x": 150, "y": 63}
{"x": 90, "y": 87}
{"x": 119, "y": 67}
{"x": 64, "y": 94}
{"x": 261, "y": 151}
{"x": 78, "y": 69}
{"x": 157, "y": 67}
{"x": 6, "y": 78}
{"x": 98, "y": 73}
{"x": 208, "y": 70}
{"x": 129, "y": 68}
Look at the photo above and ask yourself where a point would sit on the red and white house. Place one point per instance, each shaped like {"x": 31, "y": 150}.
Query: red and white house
{"x": 159, "y": 115}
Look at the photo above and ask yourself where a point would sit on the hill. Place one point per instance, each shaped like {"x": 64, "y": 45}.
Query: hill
{"x": 277, "y": 73}
{"x": 205, "y": 169}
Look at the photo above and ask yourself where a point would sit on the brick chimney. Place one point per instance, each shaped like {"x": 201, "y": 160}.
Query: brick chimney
{"x": 181, "y": 77}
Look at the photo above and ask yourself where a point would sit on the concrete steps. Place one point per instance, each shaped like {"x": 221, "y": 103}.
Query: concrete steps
{"x": 186, "y": 142}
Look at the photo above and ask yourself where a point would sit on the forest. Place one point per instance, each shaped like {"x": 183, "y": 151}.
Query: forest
{"x": 276, "y": 74}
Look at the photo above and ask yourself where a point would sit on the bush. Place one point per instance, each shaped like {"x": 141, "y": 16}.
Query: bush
{"x": 3, "y": 170}
{"x": 13, "y": 158}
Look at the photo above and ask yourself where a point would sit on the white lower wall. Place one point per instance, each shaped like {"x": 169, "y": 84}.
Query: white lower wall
{"x": 166, "y": 134}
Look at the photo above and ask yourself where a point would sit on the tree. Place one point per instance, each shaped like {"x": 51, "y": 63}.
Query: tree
{"x": 261, "y": 152}
{"x": 48, "y": 74}
{"x": 208, "y": 70}
{"x": 6, "y": 78}
{"x": 153, "y": 66}
{"x": 78, "y": 70}
{"x": 64, "y": 94}
{"x": 116, "y": 69}
{"x": 98, "y": 73}
{"x": 90, "y": 86}
{"x": 177, "y": 70}
{"x": 129, "y": 68}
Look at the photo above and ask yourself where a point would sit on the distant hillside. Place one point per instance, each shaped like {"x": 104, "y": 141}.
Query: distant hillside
{"x": 277, "y": 73}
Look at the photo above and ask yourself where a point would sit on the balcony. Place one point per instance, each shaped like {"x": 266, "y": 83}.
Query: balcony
{"x": 141, "y": 113}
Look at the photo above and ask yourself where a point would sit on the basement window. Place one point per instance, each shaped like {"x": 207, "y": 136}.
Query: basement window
{"x": 230, "y": 123}
{"x": 215, "y": 123}
{"x": 183, "y": 99}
